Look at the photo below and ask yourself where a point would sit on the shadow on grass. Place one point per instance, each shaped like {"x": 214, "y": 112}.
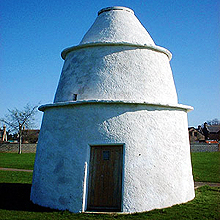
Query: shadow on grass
{"x": 16, "y": 196}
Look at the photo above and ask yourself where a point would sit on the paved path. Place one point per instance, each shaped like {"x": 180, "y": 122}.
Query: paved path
{"x": 197, "y": 184}
{"x": 13, "y": 169}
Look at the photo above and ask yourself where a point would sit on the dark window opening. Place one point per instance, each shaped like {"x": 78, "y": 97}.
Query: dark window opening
{"x": 74, "y": 97}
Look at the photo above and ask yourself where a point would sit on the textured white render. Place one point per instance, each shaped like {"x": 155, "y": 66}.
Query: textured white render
{"x": 117, "y": 72}
{"x": 125, "y": 95}
{"x": 117, "y": 26}
{"x": 157, "y": 166}
{"x": 116, "y": 60}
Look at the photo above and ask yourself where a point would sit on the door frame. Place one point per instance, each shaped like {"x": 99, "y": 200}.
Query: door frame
{"x": 87, "y": 173}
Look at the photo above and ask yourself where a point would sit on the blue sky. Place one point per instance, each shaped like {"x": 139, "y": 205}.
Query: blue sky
{"x": 34, "y": 32}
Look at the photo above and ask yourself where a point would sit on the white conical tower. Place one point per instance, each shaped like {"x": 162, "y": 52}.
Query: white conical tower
{"x": 115, "y": 138}
{"x": 117, "y": 60}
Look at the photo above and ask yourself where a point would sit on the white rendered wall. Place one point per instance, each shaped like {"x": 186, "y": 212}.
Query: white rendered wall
{"x": 157, "y": 167}
{"x": 117, "y": 72}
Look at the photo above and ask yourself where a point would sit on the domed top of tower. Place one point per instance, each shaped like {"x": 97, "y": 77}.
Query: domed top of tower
{"x": 117, "y": 25}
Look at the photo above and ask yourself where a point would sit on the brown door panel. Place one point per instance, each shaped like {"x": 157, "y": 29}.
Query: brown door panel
{"x": 105, "y": 178}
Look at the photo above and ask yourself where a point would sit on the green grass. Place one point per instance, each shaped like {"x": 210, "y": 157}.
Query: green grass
{"x": 19, "y": 161}
{"x": 15, "y": 177}
{"x": 204, "y": 206}
{"x": 15, "y": 193}
{"x": 206, "y": 166}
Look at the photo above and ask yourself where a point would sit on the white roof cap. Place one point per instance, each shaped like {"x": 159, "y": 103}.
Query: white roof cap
{"x": 117, "y": 25}
{"x": 115, "y": 8}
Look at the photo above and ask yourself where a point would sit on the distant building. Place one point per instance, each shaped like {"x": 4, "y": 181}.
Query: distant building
{"x": 196, "y": 134}
{"x": 214, "y": 132}
{"x": 3, "y": 134}
{"x": 208, "y": 132}
{"x": 30, "y": 136}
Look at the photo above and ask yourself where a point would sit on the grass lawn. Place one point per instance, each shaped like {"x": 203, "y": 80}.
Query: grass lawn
{"x": 206, "y": 166}
{"x": 15, "y": 204}
{"x": 19, "y": 161}
{"x": 15, "y": 177}
{"x": 15, "y": 193}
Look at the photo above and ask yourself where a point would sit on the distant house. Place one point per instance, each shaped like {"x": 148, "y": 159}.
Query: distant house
{"x": 30, "y": 136}
{"x": 196, "y": 134}
{"x": 214, "y": 132}
{"x": 208, "y": 132}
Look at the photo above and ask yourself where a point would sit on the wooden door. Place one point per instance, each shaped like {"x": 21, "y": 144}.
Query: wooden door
{"x": 105, "y": 178}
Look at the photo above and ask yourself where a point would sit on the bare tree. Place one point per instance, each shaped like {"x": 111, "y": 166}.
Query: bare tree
{"x": 213, "y": 122}
{"x": 18, "y": 119}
